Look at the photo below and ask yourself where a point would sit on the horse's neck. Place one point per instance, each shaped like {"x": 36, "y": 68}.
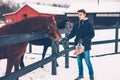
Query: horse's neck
{"x": 26, "y": 26}
{"x": 37, "y": 23}
{"x": 14, "y": 29}
{"x": 3, "y": 30}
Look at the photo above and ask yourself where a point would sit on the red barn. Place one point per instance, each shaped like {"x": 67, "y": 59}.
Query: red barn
{"x": 31, "y": 10}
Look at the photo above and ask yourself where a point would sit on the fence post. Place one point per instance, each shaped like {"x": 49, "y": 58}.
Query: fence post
{"x": 67, "y": 55}
{"x": 55, "y": 49}
{"x": 116, "y": 37}
{"x": 30, "y": 48}
{"x": 67, "y": 46}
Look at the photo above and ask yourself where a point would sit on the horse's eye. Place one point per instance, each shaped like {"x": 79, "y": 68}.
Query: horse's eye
{"x": 48, "y": 27}
{"x": 55, "y": 23}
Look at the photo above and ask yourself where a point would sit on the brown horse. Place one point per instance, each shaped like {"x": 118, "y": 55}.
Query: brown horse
{"x": 46, "y": 42}
{"x": 14, "y": 52}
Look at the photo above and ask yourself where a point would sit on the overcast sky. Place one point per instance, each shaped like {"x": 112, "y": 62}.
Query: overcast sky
{"x": 69, "y": 1}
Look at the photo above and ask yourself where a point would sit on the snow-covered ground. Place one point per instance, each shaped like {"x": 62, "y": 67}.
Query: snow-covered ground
{"x": 1, "y": 24}
{"x": 105, "y": 67}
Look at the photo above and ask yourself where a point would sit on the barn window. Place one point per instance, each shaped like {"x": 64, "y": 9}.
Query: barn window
{"x": 24, "y": 16}
{"x": 10, "y": 20}
{"x": 106, "y": 21}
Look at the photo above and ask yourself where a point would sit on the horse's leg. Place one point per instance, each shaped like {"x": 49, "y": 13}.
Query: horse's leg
{"x": 56, "y": 59}
{"x": 22, "y": 65}
{"x": 44, "y": 53}
{"x": 10, "y": 63}
{"x": 16, "y": 65}
{"x": 57, "y": 63}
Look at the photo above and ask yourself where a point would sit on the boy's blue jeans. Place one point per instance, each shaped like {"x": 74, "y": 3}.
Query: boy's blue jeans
{"x": 86, "y": 56}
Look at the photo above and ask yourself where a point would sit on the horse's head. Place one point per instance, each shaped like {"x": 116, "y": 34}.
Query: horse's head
{"x": 52, "y": 29}
{"x": 45, "y": 23}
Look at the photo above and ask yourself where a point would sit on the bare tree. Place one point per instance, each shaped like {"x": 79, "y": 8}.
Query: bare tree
{"x": 7, "y": 7}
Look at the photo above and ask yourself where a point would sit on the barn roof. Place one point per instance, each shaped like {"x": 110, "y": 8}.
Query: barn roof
{"x": 42, "y": 9}
{"x": 94, "y": 8}
{"x": 48, "y": 9}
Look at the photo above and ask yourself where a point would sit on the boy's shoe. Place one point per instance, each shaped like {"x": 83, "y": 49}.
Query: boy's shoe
{"x": 79, "y": 78}
{"x": 91, "y": 77}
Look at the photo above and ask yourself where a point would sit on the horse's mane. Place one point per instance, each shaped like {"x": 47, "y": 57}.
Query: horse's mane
{"x": 25, "y": 26}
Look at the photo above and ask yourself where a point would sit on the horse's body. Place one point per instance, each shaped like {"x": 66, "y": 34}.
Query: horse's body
{"x": 14, "y": 52}
{"x": 45, "y": 42}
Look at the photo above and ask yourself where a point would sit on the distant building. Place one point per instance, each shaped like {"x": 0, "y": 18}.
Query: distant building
{"x": 31, "y": 10}
{"x": 100, "y": 15}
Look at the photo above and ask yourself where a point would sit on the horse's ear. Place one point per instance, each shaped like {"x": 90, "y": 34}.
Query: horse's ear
{"x": 53, "y": 17}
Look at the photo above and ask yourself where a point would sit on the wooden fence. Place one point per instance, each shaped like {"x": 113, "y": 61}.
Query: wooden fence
{"x": 17, "y": 38}
{"x": 116, "y": 40}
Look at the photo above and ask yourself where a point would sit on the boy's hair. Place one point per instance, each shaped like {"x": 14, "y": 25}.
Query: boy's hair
{"x": 81, "y": 10}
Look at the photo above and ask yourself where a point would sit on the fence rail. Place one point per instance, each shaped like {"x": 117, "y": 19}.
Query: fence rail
{"x": 18, "y": 38}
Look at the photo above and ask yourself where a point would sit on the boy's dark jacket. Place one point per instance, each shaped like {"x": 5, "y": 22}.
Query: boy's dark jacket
{"x": 83, "y": 30}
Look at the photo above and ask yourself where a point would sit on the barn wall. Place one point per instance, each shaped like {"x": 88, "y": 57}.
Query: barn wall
{"x": 26, "y": 10}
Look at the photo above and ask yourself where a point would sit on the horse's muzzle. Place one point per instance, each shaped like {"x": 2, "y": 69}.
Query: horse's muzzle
{"x": 57, "y": 38}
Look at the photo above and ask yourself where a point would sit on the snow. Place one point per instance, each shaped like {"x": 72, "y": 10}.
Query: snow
{"x": 105, "y": 34}
{"x": 2, "y": 23}
{"x": 94, "y": 8}
{"x": 105, "y": 67}
{"x": 48, "y": 9}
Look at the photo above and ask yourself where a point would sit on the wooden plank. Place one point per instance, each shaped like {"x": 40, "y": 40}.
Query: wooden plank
{"x": 105, "y": 27}
{"x": 67, "y": 54}
{"x": 116, "y": 37}
{"x": 98, "y": 42}
{"x": 55, "y": 47}
{"x": 18, "y": 38}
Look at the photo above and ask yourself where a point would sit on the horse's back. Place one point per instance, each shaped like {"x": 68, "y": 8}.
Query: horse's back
{"x": 43, "y": 41}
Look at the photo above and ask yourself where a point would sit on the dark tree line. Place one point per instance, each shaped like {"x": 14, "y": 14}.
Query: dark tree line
{"x": 54, "y": 4}
{"x": 7, "y": 7}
